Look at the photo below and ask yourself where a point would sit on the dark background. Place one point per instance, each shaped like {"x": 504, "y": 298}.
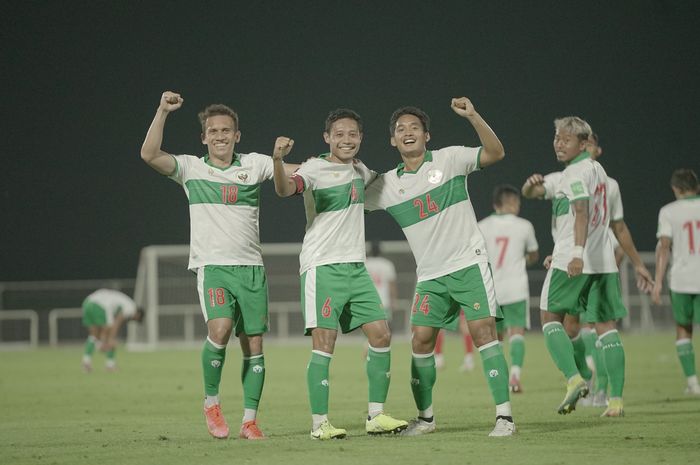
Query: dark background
{"x": 81, "y": 82}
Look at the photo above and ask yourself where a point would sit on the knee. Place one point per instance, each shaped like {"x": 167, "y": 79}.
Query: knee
{"x": 220, "y": 334}
{"x": 383, "y": 339}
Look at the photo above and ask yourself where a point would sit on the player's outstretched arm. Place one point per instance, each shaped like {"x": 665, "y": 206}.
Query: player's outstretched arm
{"x": 663, "y": 251}
{"x": 151, "y": 152}
{"x": 492, "y": 149}
{"x": 644, "y": 280}
{"x": 284, "y": 186}
{"x": 533, "y": 187}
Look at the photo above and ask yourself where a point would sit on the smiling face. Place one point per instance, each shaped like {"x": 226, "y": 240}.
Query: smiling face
{"x": 344, "y": 138}
{"x": 567, "y": 145}
{"x": 220, "y": 136}
{"x": 409, "y": 136}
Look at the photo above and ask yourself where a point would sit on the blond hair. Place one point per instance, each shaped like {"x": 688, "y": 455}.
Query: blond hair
{"x": 573, "y": 125}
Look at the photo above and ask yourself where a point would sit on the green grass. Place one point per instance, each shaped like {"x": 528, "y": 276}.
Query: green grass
{"x": 150, "y": 411}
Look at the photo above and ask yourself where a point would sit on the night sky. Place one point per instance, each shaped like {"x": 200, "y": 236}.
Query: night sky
{"x": 82, "y": 80}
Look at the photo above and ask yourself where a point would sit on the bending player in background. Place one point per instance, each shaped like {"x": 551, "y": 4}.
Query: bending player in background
{"x": 104, "y": 313}
{"x": 679, "y": 231}
{"x": 336, "y": 289}
{"x": 427, "y": 196}
{"x": 223, "y": 189}
{"x": 512, "y": 246}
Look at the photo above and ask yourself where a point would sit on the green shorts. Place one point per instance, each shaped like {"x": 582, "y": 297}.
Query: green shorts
{"x": 339, "y": 294}
{"x": 515, "y": 315}
{"x": 438, "y": 301}
{"x": 597, "y": 297}
{"x": 237, "y": 292}
{"x": 686, "y": 308}
{"x": 93, "y": 314}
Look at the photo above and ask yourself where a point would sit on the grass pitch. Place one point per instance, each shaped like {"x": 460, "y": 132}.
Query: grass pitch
{"x": 150, "y": 412}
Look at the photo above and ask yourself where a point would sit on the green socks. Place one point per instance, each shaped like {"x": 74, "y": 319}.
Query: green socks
{"x": 580, "y": 357}
{"x": 317, "y": 381}
{"x": 686, "y": 355}
{"x": 495, "y": 370}
{"x": 560, "y": 348}
{"x": 253, "y": 379}
{"x": 213, "y": 357}
{"x": 614, "y": 355}
{"x": 601, "y": 371}
{"x": 423, "y": 376}
{"x": 517, "y": 350}
{"x": 378, "y": 373}
{"x": 89, "y": 346}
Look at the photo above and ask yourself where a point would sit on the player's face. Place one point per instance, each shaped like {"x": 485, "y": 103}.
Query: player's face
{"x": 567, "y": 146}
{"x": 220, "y": 136}
{"x": 344, "y": 139}
{"x": 409, "y": 136}
{"x": 593, "y": 148}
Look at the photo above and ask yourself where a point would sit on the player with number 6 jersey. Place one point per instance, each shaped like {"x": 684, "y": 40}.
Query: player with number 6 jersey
{"x": 427, "y": 196}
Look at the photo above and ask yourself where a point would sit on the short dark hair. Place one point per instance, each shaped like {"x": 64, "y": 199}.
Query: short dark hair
{"x": 502, "y": 191}
{"x": 415, "y": 111}
{"x": 138, "y": 316}
{"x": 217, "y": 109}
{"x": 341, "y": 113}
{"x": 685, "y": 180}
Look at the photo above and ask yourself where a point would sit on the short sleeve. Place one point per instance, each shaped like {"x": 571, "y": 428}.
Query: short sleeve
{"x": 551, "y": 182}
{"x": 664, "y": 228}
{"x": 374, "y": 194}
{"x": 615, "y": 201}
{"x": 464, "y": 159}
{"x": 182, "y": 164}
{"x": 574, "y": 188}
{"x": 531, "y": 241}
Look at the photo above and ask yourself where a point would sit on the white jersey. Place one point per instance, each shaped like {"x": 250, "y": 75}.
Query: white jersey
{"x": 224, "y": 208}
{"x": 334, "y": 195}
{"x": 680, "y": 221}
{"x": 383, "y": 273}
{"x": 432, "y": 207}
{"x": 113, "y": 302}
{"x": 508, "y": 239}
{"x": 613, "y": 197}
{"x": 583, "y": 179}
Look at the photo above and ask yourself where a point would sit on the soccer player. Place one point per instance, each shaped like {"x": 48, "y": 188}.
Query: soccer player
{"x": 336, "y": 289}
{"x": 512, "y": 246}
{"x": 583, "y": 264}
{"x": 104, "y": 313}
{"x": 679, "y": 230}
{"x": 427, "y": 196}
{"x": 223, "y": 189}
{"x": 588, "y": 352}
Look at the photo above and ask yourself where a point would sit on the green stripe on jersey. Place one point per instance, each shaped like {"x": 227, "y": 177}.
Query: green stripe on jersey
{"x": 203, "y": 191}
{"x": 431, "y": 203}
{"x": 339, "y": 197}
{"x": 560, "y": 206}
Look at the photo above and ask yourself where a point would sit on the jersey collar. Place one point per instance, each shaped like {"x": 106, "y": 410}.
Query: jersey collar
{"x": 235, "y": 162}
{"x": 581, "y": 156}
{"x": 401, "y": 168}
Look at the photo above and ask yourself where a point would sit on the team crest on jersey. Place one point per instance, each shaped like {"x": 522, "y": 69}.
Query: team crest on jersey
{"x": 243, "y": 176}
{"x": 211, "y": 172}
{"x": 434, "y": 176}
{"x": 477, "y": 306}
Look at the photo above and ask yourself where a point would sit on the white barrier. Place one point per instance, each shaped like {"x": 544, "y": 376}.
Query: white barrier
{"x": 33, "y": 318}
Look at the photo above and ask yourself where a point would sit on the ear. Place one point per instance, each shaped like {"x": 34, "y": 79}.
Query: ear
{"x": 427, "y": 136}
{"x": 204, "y": 142}
{"x": 327, "y": 137}
{"x": 237, "y": 137}
{"x": 393, "y": 141}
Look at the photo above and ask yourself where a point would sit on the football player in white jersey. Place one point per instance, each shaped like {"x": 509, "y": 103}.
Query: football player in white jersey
{"x": 223, "y": 190}
{"x": 104, "y": 313}
{"x": 512, "y": 246}
{"x": 679, "y": 238}
{"x": 336, "y": 289}
{"x": 583, "y": 264}
{"x": 427, "y": 196}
